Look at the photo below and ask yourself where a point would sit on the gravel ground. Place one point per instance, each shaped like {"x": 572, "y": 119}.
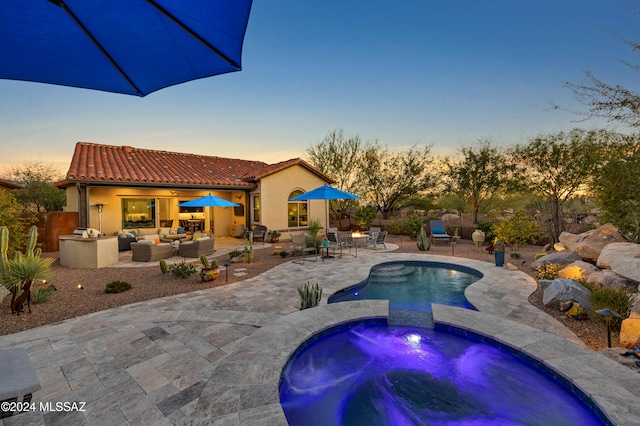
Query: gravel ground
{"x": 149, "y": 283}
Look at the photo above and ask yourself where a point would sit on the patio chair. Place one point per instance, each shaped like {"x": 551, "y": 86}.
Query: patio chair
{"x": 345, "y": 240}
{"x": 438, "y": 231}
{"x": 299, "y": 243}
{"x": 379, "y": 239}
{"x": 332, "y": 237}
{"x": 259, "y": 233}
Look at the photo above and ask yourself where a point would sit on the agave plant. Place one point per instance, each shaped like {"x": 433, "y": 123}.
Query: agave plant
{"x": 24, "y": 267}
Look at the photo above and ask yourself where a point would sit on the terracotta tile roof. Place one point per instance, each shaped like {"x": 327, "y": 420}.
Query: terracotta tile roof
{"x": 10, "y": 185}
{"x": 96, "y": 163}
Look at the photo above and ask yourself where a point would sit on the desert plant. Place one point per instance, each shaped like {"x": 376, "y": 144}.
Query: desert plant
{"x": 248, "y": 251}
{"x": 424, "y": 242}
{"x": 310, "y": 295}
{"x": 205, "y": 262}
{"x": 517, "y": 230}
{"x": 163, "y": 266}
{"x": 515, "y": 255}
{"x": 284, "y": 254}
{"x": 41, "y": 293}
{"x": 548, "y": 271}
{"x": 364, "y": 216}
{"x": 618, "y": 301}
{"x": 182, "y": 269}
{"x": 234, "y": 253}
{"x": 117, "y": 287}
{"x": 24, "y": 267}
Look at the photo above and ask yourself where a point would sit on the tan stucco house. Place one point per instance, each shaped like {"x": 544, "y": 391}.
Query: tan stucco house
{"x": 116, "y": 188}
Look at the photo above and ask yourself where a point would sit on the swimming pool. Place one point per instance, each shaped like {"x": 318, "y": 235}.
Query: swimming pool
{"x": 370, "y": 373}
{"x": 413, "y": 285}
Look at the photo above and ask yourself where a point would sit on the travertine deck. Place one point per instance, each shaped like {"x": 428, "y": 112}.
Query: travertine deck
{"x": 215, "y": 356}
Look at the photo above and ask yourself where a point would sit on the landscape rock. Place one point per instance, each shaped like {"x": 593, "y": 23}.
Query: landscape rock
{"x": 447, "y": 217}
{"x": 630, "y": 330}
{"x": 568, "y": 240}
{"x": 607, "y": 278}
{"x": 560, "y": 258}
{"x": 578, "y": 270}
{"x": 588, "y": 245}
{"x": 562, "y": 289}
{"x": 621, "y": 258}
{"x": 3, "y": 292}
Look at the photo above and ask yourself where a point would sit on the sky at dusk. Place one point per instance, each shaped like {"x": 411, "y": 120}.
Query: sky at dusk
{"x": 442, "y": 73}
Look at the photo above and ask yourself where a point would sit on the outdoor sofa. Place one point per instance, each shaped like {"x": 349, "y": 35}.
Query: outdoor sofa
{"x": 149, "y": 251}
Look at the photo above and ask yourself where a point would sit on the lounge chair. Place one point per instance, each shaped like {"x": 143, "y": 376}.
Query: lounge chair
{"x": 299, "y": 243}
{"x": 438, "y": 231}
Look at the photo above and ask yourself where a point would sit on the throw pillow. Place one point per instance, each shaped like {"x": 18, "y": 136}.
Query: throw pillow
{"x": 164, "y": 231}
{"x": 133, "y": 233}
{"x": 180, "y": 230}
{"x": 196, "y": 237}
{"x": 156, "y": 240}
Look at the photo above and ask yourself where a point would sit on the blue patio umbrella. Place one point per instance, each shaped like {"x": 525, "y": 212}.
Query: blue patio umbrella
{"x": 124, "y": 46}
{"x": 209, "y": 201}
{"x": 325, "y": 192}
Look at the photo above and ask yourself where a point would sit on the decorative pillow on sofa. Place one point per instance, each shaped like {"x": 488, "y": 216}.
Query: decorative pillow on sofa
{"x": 164, "y": 231}
{"x": 151, "y": 237}
{"x": 143, "y": 241}
{"x": 180, "y": 230}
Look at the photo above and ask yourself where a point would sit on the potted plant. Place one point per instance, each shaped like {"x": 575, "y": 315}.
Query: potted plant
{"x": 274, "y": 235}
{"x": 456, "y": 237}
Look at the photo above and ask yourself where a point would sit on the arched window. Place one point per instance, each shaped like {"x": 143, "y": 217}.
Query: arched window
{"x": 297, "y": 211}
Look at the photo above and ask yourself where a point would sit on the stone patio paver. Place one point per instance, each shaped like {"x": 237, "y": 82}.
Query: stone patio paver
{"x": 215, "y": 356}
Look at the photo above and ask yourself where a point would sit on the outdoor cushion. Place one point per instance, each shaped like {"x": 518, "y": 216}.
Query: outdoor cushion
{"x": 438, "y": 230}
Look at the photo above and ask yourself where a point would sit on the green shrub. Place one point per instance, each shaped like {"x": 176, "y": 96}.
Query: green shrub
{"x": 182, "y": 269}
{"x": 42, "y": 293}
{"x": 520, "y": 229}
{"x": 515, "y": 255}
{"x": 487, "y": 228}
{"x": 284, "y": 253}
{"x": 234, "y": 253}
{"x": 548, "y": 271}
{"x": 364, "y": 216}
{"x": 117, "y": 287}
{"x": 618, "y": 301}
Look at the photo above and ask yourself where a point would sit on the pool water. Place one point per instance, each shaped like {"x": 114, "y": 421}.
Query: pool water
{"x": 370, "y": 373}
{"x": 413, "y": 285}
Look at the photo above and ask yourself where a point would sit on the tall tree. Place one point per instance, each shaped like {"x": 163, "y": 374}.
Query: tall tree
{"x": 605, "y": 100}
{"x": 339, "y": 157}
{"x": 39, "y": 193}
{"x": 558, "y": 166}
{"x": 16, "y": 222}
{"x": 391, "y": 178}
{"x": 478, "y": 175}
{"x": 616, "y": 187}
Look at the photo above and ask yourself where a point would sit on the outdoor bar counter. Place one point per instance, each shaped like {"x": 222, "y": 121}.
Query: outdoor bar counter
{"x": 88, "y": 253}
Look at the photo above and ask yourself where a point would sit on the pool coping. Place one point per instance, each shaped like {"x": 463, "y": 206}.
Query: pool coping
{"x": 501, "y": 299}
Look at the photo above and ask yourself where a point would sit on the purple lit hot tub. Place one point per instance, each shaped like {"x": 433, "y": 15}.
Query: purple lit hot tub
{"x": 371, "y": 373}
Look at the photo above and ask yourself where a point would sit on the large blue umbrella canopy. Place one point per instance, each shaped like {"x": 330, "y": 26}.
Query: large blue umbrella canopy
{"x": 124, "y": 46}
{"x": 325, "y": 192}
{"x": 208, "y": 201}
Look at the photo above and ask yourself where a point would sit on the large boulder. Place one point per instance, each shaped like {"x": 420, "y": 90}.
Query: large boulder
{"x": 607, "y": 278}
{"x": 589, "y": 244}
{"x": 563, "y": 289}
{"x": 561, "y": 258}
{"x": 621, "y": 258}
{"x": 578, "y": 270}
{"x": 568, "y": 240}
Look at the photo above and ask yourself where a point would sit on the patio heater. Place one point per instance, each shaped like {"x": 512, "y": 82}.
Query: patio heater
{"x": 99, "y": 207}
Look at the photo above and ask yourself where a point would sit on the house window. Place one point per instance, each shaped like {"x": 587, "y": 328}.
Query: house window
{"x": 297, "y": 211}
{"x": 256, "y": 208}
{"x": 138, "y": 213}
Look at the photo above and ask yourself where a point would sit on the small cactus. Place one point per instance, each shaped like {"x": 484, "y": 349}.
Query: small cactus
{"x": 163, "y": 266}
{"x": 249, "y": 251}
{"x": 310, "y": 295}
{"x": 423, "y": 243}
{"x": 205, "y": 262}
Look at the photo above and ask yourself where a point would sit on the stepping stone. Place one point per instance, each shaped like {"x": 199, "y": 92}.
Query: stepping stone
{"x": 240, "y": 274}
